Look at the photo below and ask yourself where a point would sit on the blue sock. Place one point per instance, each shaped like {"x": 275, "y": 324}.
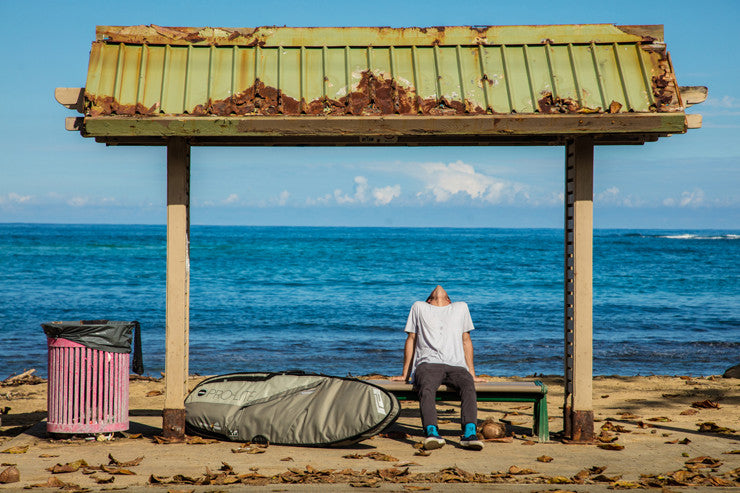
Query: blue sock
{"x": 469, "y": 430}
{"x": 432, "y": 431}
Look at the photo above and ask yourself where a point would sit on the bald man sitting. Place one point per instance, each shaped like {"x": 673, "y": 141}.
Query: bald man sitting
{"x": 438, "y": 350}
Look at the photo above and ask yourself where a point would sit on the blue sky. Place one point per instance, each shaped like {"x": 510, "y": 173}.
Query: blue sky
{"x": 50, "y": 175}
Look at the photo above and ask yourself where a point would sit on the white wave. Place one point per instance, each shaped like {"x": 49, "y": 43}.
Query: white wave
{"x": 689, "y": 236}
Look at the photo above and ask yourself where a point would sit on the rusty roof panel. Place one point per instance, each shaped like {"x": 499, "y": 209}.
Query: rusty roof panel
{"x": 132, "y": 73}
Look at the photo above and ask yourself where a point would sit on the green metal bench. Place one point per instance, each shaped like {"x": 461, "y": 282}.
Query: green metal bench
{"x": 535, "y": 392}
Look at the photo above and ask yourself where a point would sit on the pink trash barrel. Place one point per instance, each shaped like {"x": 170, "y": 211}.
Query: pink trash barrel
{"x": 88, "y": 389}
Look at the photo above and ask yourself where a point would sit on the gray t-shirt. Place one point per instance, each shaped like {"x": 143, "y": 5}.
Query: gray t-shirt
{"x": 439, "y": 331}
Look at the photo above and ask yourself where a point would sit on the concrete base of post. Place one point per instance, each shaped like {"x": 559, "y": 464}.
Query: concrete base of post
{"x": 173, "y": 423}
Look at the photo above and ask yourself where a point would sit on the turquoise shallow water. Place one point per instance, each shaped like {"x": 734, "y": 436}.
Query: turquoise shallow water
{"x": 335, "y": 300}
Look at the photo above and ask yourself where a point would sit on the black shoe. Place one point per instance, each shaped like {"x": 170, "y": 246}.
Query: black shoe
{"x": 433, "y": 442}
{"x": 471, "y": 442}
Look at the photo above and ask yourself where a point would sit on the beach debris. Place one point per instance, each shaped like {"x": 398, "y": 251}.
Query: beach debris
{"x": 411, "y": 487}
{"x": 492, "y": 429}
{"x": 10, "y": 475}
{"x": 112, "y": 461}
{"x": 605, "y": 396}
{"x": 606, "y": 437}
{"x": 68, "y": 467}
{"x": 702, "y": 462}
{"x": 711, "y": 427}
{"x": 625, "y": 485}
{"x": 117, "y": 470}
{"x": 529, "y": 442}
{"x": 190, "y": 440}
{"x": 287, "y": 459}
{"x": 423, "y": 453}
{"x": 154, "y": 393}
{"x": 16, "y": 450}
{"x": 102, "y": 479}
{"x": 660, "y": 419}
{"x": 247, "y": 448}
{"x": 602, "y": 478}
{"x": 683, "y": 441}
{"x": 516, "y": 471}
{"x": 688, "y": 412}
{"x": 732, "y": 452}
{"x": 705, "y": 404}
{"x": 610, "y": 446}
{"x": 609, "y": 426}
{"x": 544, "y": 458}
{"x": 25, "y": 378}
{"x": 559, "y": 480}
{"x": 55, "y": 482}
{"x": 372, "y": 455}
{"x": 406, "y": 463}
{"x": 46, "y": 456}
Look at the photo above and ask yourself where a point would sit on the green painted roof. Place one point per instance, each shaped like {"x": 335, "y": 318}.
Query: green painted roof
{"x": 155, "y": 71}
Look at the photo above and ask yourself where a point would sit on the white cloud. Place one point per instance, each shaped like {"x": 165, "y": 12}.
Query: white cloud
{"x": 444, "y": 181}
{"x": 78, "y": 201}
{"x": 359, "y": 196}
{"x": 383, "y": 196}
{"x": 687, "y": 199}
{"x": 231, "y": 199}
{"x": 15, "y": 198}
{"x": 726, "y": 102}
{"x": 282, "y": 199}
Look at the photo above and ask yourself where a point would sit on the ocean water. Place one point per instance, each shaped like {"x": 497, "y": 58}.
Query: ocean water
{"x": 335, "y": 300}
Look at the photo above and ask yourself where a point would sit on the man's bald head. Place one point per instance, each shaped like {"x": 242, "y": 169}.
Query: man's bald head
{"x": 439, "y": 297}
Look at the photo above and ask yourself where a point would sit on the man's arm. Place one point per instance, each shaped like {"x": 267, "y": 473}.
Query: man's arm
{"x": 468, "y": 351}
{"x": 408, "y": 357}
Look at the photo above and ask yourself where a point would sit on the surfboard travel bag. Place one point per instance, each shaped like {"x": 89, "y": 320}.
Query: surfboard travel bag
{"x": 289, "y": 408}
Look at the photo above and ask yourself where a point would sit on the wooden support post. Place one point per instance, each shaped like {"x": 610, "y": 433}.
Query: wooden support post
{"x": 178, "y": 287}
{"x": 578, "y": 415}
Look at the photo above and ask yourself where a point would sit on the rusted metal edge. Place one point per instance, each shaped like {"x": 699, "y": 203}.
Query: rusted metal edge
{"x": 383, "y": 141}
{"x": 377, "y": 36}
{"x": 388, "y": 126}
{"x": 650, "y": 33}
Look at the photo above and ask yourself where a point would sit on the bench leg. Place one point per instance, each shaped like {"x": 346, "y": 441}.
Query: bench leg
{"x": 541, "y": 426}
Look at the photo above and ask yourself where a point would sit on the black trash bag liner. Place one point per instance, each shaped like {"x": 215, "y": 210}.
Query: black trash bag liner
{"x": 104, "y": 335}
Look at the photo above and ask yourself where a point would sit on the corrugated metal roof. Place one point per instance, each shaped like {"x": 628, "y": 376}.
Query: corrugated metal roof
{"x": 153, "y": 71}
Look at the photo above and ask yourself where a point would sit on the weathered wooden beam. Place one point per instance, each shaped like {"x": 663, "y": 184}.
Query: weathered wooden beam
{"x": 693, "y": 121}
{"x": 691, "y": 95}
{"x": 385, "y": 126}
{"x": 178, "y": 287}
{"x": 578, "y": 406}
{"x": 72, "y": 98}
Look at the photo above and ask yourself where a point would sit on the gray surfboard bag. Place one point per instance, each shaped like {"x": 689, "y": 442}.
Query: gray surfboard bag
{"x": 289, "y": 408}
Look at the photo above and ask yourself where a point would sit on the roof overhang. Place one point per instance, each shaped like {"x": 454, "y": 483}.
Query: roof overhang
{"x": 487, "y": 85}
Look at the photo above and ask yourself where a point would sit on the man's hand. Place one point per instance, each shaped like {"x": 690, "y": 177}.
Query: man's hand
{"x": 479, "y": 379}
{"x": 398, "y": 378}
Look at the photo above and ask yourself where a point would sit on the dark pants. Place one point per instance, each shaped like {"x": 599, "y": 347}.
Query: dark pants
{"x": 429, "y": 376}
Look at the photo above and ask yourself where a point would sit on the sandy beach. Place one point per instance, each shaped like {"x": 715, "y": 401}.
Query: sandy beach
{"x": 666, "y": 432}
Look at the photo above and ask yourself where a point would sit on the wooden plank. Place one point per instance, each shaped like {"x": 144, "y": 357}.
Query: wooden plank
{"x": 691, "y": 95}
{"x": 72, "y": 98}
{"x": 508, "y": 387}
{"x": 389, "y": 126}
{"x": 693, "y": 121}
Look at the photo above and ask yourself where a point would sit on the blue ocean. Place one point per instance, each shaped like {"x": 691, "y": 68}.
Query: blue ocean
{"x": 335, "y": 300}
